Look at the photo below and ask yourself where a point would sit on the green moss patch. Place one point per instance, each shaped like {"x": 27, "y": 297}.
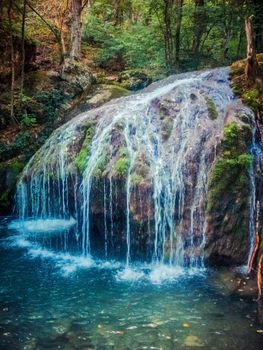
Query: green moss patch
{"x": 9, "y": 172}
{"x": 250, "y": 93}
{"x": 136, "y": 179}
{"x": 122, "y": 165}
{"x": 82, "y": 157}
{"x": 211, "y": 107}
{"x": 252, "y": 98}
{"x": 100, "y": 167}
{"x": 229, "y": 177}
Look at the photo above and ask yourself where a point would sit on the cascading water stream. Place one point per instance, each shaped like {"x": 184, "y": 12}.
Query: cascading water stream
{"x": 163, "y": 142}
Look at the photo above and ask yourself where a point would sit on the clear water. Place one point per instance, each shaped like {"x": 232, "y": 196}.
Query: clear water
{"x": 53, "y": 298}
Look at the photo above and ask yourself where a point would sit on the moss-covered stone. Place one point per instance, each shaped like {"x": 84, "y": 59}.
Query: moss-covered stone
{"x": 211, "y": 107}
{"x": 100, "y": 167}
{"x": 252, "y": 98}
{"x": 82, "y": 157}
{"x": 136, "y": 179}
{"x": 230, "y": 171}
{"x": 228, "y": 176}
{"x": 228, "y": 204}
{"x": 122, "y": 165}
{"x": 9, "y": 172}
{"x": 250, "y": 93}
{"x": 228, "y": 197}
{"x": 134, "y": 79}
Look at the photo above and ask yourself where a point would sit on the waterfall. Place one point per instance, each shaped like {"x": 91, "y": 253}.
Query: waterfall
{"x": 159, "y": 143}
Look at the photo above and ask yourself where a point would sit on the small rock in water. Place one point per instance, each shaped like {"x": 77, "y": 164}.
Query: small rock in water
{"x": 193, "y": 97}
{"x": 132, "y": 327}
{"x": 193, "y": 341}
{"x": 152, "y": 325}
{"x": 186, "y": 325}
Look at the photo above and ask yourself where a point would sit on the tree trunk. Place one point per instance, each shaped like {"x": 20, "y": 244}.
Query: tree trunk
{"x": 118, "y": 12}
{"x": 12, "y": 61}
{"x": 252, "y": 64}
{"x": 23, "y": 47}
{"x": 258, "y": 24}
{"x": 168, "y": 39}
{"x": 179, "y": 12}
{"x": 199, "y": 26}
{"x": 76, "y": 26}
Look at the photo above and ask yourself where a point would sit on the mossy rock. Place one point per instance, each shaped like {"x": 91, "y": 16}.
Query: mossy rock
{"x": 211, "y": 108}
{"x": 236, "y": 139}
{"x": 136, "y": 179}
{"x": 100, "y": 167}
{"x": 229, "y": 177}
{"x": 228, "y": 202}
{"x": 9, "y": 173}
{"x": 82, "y": 157}
{"x": 251, "y": 94}
{"x": 252, "y": 98}
{"x": 121, "y": 166}
{"x": 134, "y": 79}
{"x": 103, "y": 93}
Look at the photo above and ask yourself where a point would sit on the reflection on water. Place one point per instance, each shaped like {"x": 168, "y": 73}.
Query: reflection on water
{"x": 53, "y": 299}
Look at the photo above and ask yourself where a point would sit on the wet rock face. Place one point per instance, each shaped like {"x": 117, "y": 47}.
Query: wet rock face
{"x": 230, "y": 196}
{"x": 8, "y": 177}
{"x": 143, "y": 175}
{"x": 134, "y": 80}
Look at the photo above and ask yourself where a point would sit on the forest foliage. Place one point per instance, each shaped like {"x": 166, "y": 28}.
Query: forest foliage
{"x": 169, "y": 35}
{"x": 136, "y": 38}
{"x": 164, "y": 36}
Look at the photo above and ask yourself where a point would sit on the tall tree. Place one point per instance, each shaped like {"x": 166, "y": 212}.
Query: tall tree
{"x": 76, "y": 25}
{"x": 258, "y": 24}
{"x": 23, "y": 46}
{"x": 12, "y": 62}
{"x": 168, "y": 37}
{"x": 199, "y": 25}
{"x": 179, "y": 15}
{"x": 77, "y": 7}
{"x": 252, "y": 64}
{"x": 172, "y": 15}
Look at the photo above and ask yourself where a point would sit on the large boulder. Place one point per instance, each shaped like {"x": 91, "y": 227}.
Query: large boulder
{"x": 166, "y": 174}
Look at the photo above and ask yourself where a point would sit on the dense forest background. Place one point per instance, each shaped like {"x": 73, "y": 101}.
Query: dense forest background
{"x": 160, "y": 36}
{"x": 61, "y": 57}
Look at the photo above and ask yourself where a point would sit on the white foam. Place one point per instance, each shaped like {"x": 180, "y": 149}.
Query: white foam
{"x": 42, "y": 225}
{"x": 22, "y": 242}
{"x": 129, "y": 274}
{"x": 165, "y": 273}
{"x": 41, "y": 253}
{"x": 109, "y": 265}
{"x": 66, "y": 262}
{"x": 68, "y": 270}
